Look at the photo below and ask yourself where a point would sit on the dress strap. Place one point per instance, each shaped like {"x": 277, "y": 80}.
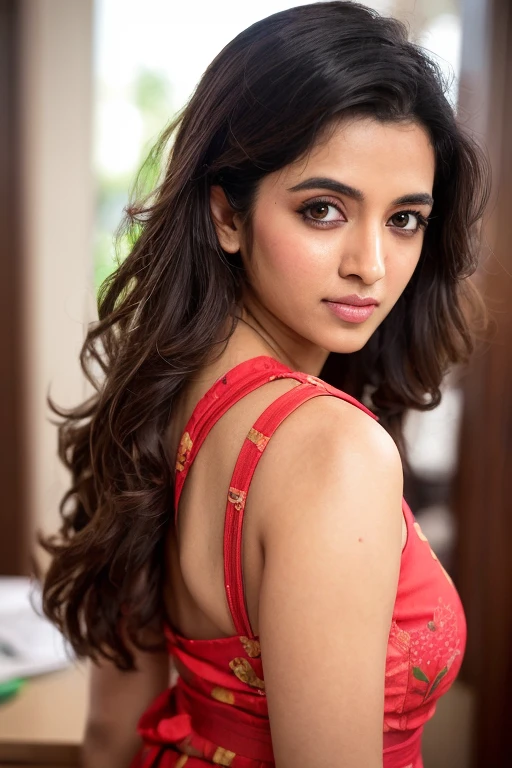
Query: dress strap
{"x": 252, "y": 450}
{"x": 226, "y": 391}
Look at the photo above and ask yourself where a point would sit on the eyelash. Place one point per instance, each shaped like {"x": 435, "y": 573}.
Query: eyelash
{"x": 422, "y": 221}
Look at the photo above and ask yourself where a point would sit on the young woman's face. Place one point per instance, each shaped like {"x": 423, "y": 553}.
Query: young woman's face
{"x": 348, "y": 221}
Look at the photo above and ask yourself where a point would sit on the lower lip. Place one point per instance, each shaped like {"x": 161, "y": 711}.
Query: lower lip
{"x": 351, "y": 313}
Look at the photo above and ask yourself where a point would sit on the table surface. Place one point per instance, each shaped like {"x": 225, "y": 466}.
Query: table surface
{"x": 43, "y": 724}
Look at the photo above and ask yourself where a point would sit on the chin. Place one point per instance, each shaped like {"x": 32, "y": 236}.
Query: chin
{"x": 347, "y": 346}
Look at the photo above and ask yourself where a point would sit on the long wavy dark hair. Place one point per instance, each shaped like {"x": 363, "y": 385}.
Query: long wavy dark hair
{"x": 260, "y": 105}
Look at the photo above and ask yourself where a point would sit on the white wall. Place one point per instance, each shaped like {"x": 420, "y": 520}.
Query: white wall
{"x": 58, "y": 204}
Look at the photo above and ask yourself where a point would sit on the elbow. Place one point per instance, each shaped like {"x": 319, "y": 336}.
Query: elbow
{"x": 96, "y": 745}
{"x": 103, "y": 748}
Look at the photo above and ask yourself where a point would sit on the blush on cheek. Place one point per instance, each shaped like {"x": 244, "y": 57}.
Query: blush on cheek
{"x": 290, "y": 260}
{"x": 282, "y": 266}
{"x": 273, "y": 249}
{"x": 279, "y": 249}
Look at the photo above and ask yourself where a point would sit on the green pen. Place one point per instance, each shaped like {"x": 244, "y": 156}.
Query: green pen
{"x": 10, "y": 688}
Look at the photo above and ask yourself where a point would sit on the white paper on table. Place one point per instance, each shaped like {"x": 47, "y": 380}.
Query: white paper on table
{"x": 29, "y": 643}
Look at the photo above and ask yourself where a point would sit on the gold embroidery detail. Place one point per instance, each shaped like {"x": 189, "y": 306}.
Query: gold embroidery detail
{"x": 420, "y": 533}
{"x": 258, "y": 438}
{"x": 435, "y": 557}
{"x": 237, "y": 498}
{"x": 223, "y": 756}
{"x": 183, "y": 451}
{"x": 180, "y": 762}
{"x": 222, "y": 694}
{"x": 251, "y": 647}
{"x": 317, "y": 382}
{"x": 400, "y": 638}
{"x": 246, "y": 673}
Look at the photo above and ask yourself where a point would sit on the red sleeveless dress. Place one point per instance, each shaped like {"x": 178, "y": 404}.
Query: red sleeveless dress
{"x": 216, "y": 713}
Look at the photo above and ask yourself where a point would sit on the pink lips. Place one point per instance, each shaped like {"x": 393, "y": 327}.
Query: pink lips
{"x": 353, "y": 309}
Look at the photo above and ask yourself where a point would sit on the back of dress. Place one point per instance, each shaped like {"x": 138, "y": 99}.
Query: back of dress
{"x": 216, "y": 713}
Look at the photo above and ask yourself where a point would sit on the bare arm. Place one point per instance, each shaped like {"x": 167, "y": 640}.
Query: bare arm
{"x": 117, "y": 699}
{"x": 332, "y": 543}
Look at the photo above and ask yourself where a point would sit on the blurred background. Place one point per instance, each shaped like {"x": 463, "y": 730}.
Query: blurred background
{"x": 85, "y": 88}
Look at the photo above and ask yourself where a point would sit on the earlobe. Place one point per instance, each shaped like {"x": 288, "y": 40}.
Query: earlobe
{"x": 223, "y": 217}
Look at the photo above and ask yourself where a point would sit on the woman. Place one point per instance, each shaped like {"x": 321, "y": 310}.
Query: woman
{"x": 307, "y": 248}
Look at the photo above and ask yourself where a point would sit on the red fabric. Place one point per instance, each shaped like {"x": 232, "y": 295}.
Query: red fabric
{"x": 217, "y": 711}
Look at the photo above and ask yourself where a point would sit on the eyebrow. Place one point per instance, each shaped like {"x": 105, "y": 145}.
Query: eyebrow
{"x": 318, "y": 182}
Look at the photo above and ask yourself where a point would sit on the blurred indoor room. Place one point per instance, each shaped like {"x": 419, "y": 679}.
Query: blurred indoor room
{"x": 85, "y": 87}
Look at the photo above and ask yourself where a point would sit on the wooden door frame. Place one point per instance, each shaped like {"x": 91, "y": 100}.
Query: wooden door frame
{"x": 483, "y": 490}
{"x": 13, "y": 484}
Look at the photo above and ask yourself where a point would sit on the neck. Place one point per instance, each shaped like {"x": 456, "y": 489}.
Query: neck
{"x": 283, "y": 344}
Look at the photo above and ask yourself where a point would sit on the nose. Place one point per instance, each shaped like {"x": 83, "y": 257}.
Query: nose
{"x": 363, "y": 254}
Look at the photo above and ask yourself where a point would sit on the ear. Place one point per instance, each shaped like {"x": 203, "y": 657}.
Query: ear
{"x": 226, "y": 221}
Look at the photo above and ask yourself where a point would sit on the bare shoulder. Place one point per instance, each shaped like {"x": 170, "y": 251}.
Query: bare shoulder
{"x": 333, "y": 476}
{"x": 342, "y": 422}
{"x": 329, "y": 448}
{"x": 347, "y": 426}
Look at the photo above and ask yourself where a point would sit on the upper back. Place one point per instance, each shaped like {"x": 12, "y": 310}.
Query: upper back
{"x": 214, "y": 423}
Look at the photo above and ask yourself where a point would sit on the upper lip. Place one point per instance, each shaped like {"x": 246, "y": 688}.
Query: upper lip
{"x": 355, "y": 300}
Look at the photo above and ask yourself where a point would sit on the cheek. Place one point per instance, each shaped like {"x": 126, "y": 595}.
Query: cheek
{"x": 284, "y": 250}
{"x": 401, "y": 263}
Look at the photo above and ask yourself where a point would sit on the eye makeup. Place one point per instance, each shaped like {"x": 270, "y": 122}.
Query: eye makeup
{"x": 319, "y": 203}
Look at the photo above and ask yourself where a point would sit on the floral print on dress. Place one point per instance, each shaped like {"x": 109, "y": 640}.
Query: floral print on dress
{"x": 316, "y": 382}
{"x": 417, "y": 662}
{"x": 433, "y": 646}
{"x": 183, "y": 451}
{"x": 251, "y": 647}
{"x": 422, "y": 536}
{"x": 237, "y": 498}
{"x": 246, "y": 673}
{"x": 222, "y": 694}
{"x": 258, "y": 438}
{"x": 223, "y": 757}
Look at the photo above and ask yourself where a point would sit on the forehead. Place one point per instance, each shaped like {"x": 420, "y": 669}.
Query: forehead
{"x": 394, "y": 158}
